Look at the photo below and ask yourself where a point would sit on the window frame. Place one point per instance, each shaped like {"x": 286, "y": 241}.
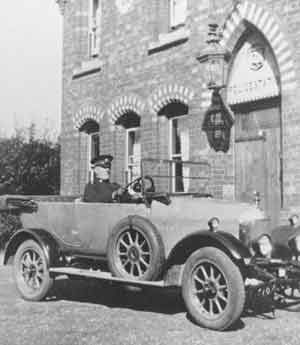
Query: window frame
{"x": 95, "y": 14}
{"x": 173, "y": 156}
{"x": 173, "y": 23}
{"x": 128, "y": 171}
{"x": 90, "y": 175}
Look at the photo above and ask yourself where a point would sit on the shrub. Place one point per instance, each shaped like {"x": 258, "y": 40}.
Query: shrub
{"x": 30, "y": 164}
{"x": 9, "y": 223}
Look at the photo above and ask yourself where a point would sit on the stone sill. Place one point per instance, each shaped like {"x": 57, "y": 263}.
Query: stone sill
{"x": 169, "y": 39}
{"x": 87, "y": 67}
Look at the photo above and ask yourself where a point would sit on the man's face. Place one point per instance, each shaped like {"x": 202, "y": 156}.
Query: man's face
{"x": 102, "y": 173}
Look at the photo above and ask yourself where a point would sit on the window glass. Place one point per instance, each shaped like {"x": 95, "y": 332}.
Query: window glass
{"x": 179, "y": 144}
{"x": 93, "y": 152}
{"x": 133, "y": 153}
{"x": 94, "y": 27}
{"x": 178, "y": 12}
{"x": 95, "y": 145}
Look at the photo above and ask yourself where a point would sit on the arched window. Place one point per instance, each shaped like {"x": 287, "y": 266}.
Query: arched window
{"x": 179, "y": 145}
{"x": 91, "y": 128}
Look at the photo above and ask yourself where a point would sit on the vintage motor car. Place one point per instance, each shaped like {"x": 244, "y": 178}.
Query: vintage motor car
{"x": 217, "y": 252}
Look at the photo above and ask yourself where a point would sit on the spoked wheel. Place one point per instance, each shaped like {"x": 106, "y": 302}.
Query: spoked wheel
{"x": 135, "y": 250}
{"x": 134, "y": 253}
{"x": 213, "y": 289}
{"x": 31, "y": 273}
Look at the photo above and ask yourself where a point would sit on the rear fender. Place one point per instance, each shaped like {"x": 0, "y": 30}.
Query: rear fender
{"x": 226, "y": 242}
{"x": 47, "y": 242}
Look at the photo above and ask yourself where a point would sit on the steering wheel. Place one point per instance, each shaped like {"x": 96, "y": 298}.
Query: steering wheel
{"x": 141, "y": 184}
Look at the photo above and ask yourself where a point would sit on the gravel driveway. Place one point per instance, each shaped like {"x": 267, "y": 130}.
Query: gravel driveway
{"x": 95, "y": 315}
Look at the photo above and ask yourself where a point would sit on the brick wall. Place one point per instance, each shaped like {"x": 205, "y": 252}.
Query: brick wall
{"x": 130, "y": 68}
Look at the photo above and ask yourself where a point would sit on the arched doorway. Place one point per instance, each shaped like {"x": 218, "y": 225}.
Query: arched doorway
{"x": 254, "y": 96}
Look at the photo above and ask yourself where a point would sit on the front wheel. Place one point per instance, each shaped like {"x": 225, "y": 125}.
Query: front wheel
{"x": 31, "y": 272}
{"x": 213, "y": 289}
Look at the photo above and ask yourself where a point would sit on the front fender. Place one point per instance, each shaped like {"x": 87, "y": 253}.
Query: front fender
{"x": 48, "y": 243}
{"x": 234, "y": 248}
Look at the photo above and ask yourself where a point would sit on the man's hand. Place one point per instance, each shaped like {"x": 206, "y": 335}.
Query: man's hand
{"x": 118, "y": 193}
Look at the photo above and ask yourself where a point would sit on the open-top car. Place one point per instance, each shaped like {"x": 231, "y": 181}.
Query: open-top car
{"x": 154, "y": 239}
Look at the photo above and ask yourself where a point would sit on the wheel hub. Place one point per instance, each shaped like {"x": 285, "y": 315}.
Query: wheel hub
{"x": 134, "y": 254}
{"x": 210, "y": 289}
{"x": 32, "y": 270}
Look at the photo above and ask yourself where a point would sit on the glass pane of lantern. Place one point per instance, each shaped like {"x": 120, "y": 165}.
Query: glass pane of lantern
{"x": 216, "y": 71}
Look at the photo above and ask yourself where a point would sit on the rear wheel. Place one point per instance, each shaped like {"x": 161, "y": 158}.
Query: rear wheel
{"x": 31, "y": 272}
{"x": 135, "y": 250}
{"x": 213, "y": 289}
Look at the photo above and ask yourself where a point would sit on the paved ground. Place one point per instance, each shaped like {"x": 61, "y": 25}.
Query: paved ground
{"x": 81, "y": 314}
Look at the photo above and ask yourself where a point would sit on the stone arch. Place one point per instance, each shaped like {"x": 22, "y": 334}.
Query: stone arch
{"x": 267, "y": 24}
{"x": 233, "y": 29}
{"x": 171, "y": 93}
{"x": 85, "y": 114}
{"x": 123, "y": 105}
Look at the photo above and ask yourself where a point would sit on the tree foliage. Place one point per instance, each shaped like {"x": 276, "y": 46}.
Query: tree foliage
{"x": 29, "y": 165}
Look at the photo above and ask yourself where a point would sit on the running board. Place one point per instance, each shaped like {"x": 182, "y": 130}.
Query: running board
{"x": 103, "y": 276}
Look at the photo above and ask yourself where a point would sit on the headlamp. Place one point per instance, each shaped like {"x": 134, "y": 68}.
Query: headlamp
{"x": 213, "y": 224}
{"x": 263, "y": 246}
{"x": 294, "y": 243}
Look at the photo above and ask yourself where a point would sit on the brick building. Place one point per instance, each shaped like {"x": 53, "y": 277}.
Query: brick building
{"x": 133, "y": 87}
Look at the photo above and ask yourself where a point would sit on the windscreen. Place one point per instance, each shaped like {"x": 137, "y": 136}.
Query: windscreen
{"x": 177, "y": 176}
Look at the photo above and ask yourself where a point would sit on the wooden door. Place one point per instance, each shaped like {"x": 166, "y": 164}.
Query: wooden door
{"x": 257, "y": 159}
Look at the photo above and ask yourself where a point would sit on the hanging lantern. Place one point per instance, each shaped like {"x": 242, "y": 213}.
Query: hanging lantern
{"x": 217, "y": 123}
{"x": 214, "y": 58}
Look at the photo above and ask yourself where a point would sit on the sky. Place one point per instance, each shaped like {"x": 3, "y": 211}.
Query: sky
{"x": 30, "y": 65}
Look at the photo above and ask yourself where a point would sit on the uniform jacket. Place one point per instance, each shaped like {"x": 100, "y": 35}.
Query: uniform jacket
{"x": 99, "y": 191}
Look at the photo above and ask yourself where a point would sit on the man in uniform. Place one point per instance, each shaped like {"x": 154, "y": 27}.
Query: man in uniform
{"x": 101, "y": 189}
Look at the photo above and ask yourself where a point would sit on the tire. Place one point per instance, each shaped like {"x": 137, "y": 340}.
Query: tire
{"x": 135, "y": 250}
{"x": 31, "y": 272}
{"x": 213, "y": 289}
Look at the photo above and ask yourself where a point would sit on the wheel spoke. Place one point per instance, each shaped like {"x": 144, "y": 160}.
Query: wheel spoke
{"x": 129, "y": 237}
{"x": 199, "y": 291}
{"x": 27, "y": 259}
{"x": 136, "y": 241}
{"x": 144, "y": 262}
{"x": 123, "y": 254}
{"x": 210, "y": 307}
{"x": 37, "y": 283}
{"x": 203, "y": 270}
{"x": 212, "y": 275}
{"x": 199, "y": 280}
{"x": 33, "y": 257}
{"x": 126, "y": 263}
{"x": 218, "y": 278}
{"x": 217, "y": 303}
{"x": 131, "y": 268}
{"x": 142, "y": 244}
{"x": 222, "y": 287}
{"x": 222, "y": 297}
{"x": 124, "y": 243}
{"x": 39, "y": 275}
{"x": 140, "y": 273}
